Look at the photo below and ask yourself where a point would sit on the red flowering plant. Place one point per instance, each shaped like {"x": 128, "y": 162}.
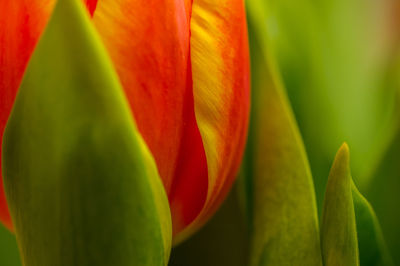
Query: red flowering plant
{"x": 124, "y": 124}
{"x": 103, "y": 105}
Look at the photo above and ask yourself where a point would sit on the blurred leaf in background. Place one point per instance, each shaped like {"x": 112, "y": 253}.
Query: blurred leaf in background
{"x": 339, "y": 65}
{"x": 384, "y": 196}
{"x": 383, "y": 192}
{"x": 279, "y": 190}
{"x": 9, "y": 255}
{"x": 334, "y": 58}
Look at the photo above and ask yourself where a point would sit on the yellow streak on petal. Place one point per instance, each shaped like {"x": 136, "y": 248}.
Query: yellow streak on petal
{"x": 220, "y": 72}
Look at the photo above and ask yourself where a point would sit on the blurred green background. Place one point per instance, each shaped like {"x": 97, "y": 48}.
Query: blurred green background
{"x": 340, "y": 64}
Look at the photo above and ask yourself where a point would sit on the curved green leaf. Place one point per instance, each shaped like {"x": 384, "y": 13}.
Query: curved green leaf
{"x": 384, "y": 196}
{"x": 373, "y": 251}
{"x": 350, "y": 228}
{"x": 334, "y": 64}
{"x": 9, "y": 255}
{"x": 383, "y": 192}
{"x": 338, "y": 230}
{"x": 83, "y": 188}
{"x": 280, "y": 193}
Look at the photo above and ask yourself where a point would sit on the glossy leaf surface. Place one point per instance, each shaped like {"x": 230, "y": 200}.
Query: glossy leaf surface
{"x": 83, "y": 188}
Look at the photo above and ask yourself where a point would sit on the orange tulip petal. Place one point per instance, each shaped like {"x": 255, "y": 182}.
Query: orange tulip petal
{"x": 220, "y": 70}
{"x": 148, "y": 41}
{"x": 151, "y": 53}
{"x": 189, "y": 188}
{"x": 21, "y": 23}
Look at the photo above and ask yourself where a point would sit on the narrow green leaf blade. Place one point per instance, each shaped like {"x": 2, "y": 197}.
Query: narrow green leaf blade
{"x": 280, "y": 195}
{"x": 384, "y": 196}
{"x": 83, "y": 188}
{"x": 373, "y": 250}
{"x": 321, "y": 49}
{"x": 338, "y": 230}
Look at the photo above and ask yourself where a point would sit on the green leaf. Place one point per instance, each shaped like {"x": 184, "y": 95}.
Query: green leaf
{"x": 384, "y": 196}
{"x": 9, "y": 255}
{"x": 83, "y": 188}
{"x": 383, "y": 192}
{"x": 280, "y": 195}
{"x": 373, "y": 251}
{"x": 350, "y": 228}
{"x": 334, "y": 64}
{"x": 338, "y": 230}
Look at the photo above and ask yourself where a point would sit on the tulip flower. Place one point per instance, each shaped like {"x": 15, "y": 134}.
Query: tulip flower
{"x": 184, "y": 69}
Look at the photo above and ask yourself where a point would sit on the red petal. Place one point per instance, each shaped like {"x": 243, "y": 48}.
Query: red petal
{"x": 91, "y": 5}
{"x": 148, "y": 41}
{"x": 220, "y": 63}
{"x": 21, "y": 23}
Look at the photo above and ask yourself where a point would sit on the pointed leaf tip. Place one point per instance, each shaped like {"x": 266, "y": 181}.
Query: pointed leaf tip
{"x": 372, "y": 246}
{"x": 344, "y": 149}
{"x": 82, "y": 187}
{"x": 351, "y": 234}
{"x": 341, "y": 162}
{"x": 338, "y": 230}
